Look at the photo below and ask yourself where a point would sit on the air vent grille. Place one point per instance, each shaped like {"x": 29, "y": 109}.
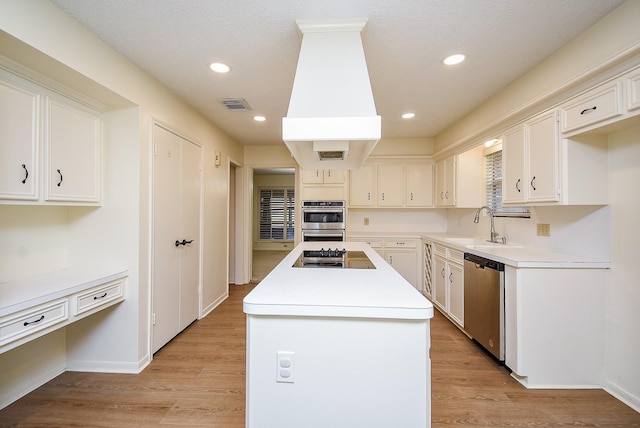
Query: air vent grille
{"x": 235, "y": 104}
{"x": 331, "y": 155}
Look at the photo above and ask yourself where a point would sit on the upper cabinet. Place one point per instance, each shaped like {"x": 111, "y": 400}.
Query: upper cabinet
{"x": 72, "y": 152}
{"x": 392, "y": 185}
{"x": 19, "y": 140}
{"x": 48, "y": 142}
{"x": 459, "y": 180}
{"x": 530, "y": 156}
{"x": 320, "y": 176}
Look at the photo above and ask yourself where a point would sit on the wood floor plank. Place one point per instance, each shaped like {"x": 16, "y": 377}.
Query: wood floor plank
{"x": 198, "y": 379}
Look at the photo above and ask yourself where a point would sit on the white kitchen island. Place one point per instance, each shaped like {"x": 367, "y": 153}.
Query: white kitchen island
{"x": 337, "y": 347}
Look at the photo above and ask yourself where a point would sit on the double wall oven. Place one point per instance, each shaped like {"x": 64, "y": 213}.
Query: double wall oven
{"x": 323, "y": 220}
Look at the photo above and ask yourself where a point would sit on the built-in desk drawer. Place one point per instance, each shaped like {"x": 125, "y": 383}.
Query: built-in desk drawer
{"x": 595, "y": 106}
{"x": 401, "y": 243}
{"x": 32, "y": 320}
{"x": 98, "y": 296}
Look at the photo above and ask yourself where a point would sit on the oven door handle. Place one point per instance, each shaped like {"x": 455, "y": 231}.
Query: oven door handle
{"x": 316, "y": 235}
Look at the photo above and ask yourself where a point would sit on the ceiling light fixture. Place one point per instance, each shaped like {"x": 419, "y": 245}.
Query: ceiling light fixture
{"x": 219, "y": 67}
{"x": 454, "y": 59}
{"x": 491, "y": 142}
{"x": 408, "y": 115}
{"x": 259, "y": 118}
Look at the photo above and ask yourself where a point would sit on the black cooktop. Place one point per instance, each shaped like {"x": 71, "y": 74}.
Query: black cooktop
{"x": 334, "y": 258}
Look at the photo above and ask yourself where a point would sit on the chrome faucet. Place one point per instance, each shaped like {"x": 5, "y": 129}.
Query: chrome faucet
{"x": 494, "y": 234}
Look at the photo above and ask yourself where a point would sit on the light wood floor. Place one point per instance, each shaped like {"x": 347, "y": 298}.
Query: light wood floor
{"x": 198, "y": 379}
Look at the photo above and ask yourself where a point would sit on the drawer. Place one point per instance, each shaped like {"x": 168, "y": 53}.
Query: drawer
{"x": 32, "y": 320}
{"x": 99, "y": 296}
{"x": 455, "y": 255}
{"x": 633, "y": 91}
{"x": 595, "y": 106}
{"x": 373, "y": 242}
{"x": 440, "y": 250}
{"x": 401, "y": 243}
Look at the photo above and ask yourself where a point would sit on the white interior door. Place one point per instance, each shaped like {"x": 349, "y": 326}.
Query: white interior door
{"x": 176, "y": 218}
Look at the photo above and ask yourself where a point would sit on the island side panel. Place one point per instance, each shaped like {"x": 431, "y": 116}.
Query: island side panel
{"x": 346, "y": 372}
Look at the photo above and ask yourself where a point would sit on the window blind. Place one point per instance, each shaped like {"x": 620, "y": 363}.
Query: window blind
{"x": 493, "y": 186}
{"x": 277, "y": 214}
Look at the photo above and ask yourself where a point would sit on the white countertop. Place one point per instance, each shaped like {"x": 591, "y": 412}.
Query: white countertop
{"x": 516, "y": 255}
{"x": 337, "y": 292}
{"x": 28, "y": 292}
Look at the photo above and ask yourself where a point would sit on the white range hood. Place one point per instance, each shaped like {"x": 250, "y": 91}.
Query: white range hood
{"x": 332, "y": 121}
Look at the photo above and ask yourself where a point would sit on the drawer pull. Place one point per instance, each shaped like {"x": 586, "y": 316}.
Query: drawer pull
{"x": 588, "y": 110}
{"x": 100, "y": 297}
{"x": 26, "y": 323}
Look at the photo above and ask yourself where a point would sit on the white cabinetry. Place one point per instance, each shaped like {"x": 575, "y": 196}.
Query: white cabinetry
{"x": 392, "y": 185}
{"x": 530, "y": 154}
{"x": 362, "y": 187}
{"x": 33, "y": 307}
{"x": 72, "y": 152}
{"x": 459, "y": 180}
{"x": 418, "y": 185}
{"x": 319, "y": 176}
{"x": 633, "y": 90}
{"x": 19, "y": 141}
{"x": 448, "y": 282}
{"x": 546, "y": 348}
{"x": 400, "y": 252}
{"x": 593, "y": 107}
{"x": 35, "y": 120}
{"x": 390, "y": 181}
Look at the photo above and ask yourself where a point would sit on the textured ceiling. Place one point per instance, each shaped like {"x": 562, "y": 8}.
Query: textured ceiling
{"x": 404, "y": 41}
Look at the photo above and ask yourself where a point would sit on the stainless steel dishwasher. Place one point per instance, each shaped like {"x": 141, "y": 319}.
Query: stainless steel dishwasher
{"x": 484, "y": 302}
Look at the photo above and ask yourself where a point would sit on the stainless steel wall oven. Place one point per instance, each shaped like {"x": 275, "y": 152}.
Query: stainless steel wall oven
{"x": 323, "y": 220}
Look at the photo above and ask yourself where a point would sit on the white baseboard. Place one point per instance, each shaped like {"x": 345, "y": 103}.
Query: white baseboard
{"x": 108, "y": 366}
{"x": 31, "y": 383}
{"x": 622, "y": 395}
{"x": 206, "y": 311}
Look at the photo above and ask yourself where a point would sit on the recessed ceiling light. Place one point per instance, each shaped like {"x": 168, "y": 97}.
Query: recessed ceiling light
{"x": 454, "y": 59}
{"x": 259, "y": 118}
{"x": 408, "y": 115}
{"x": 219, "y": 67}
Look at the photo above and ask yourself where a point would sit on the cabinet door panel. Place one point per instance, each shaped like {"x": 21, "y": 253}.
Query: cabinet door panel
{"x": 419, "y": 185}
{"x": 543, "y": 158}
{"x": 405, "y": 263}
{"x": 456, "y": 292}
{"x": 390, "y": 185}
{"x": 440, "y": 283}
{"x": 18, "y": 143}
{"x": 312, "y": 176}
{"x": 361, "y": 192}
{"x": 73, "y": 137}
{"x": 513, "y": 180}
{"x": 333, "y": 176}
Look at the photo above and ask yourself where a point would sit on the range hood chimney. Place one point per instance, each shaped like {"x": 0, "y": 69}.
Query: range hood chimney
{"x": 332, "y": 121}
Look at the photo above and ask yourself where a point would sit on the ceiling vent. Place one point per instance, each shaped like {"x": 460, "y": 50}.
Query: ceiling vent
{"x": 235, "y": 104}
{"x": 320, "y": 132}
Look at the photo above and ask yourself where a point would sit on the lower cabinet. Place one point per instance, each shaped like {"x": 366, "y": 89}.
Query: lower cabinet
{"x": 447, "y": 287}
{"x": 401, "y": 253}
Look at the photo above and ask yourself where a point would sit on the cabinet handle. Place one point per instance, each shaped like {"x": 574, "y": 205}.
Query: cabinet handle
{"x": 100, "y": 297}
{"x": 532, "y": 184}
{"x": 518, "y": 185}
{"x": 184, "y": 242}
{"x": 588, "y": 110}
{"x": 26, "y": 323}
{"x": 450, "y": 279}
{"x": 61, "y": 177}
{"x": 446, "y": 194}
{"x": 368, "y": 196}
{"x": 26, "y": 174}
{"x": 442, "y": 273}
{"x": 383, "y": 196}
{"x": 390, "y": 260}
{"x": 442, "y": 195}
{"x": 412, "y": 196}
